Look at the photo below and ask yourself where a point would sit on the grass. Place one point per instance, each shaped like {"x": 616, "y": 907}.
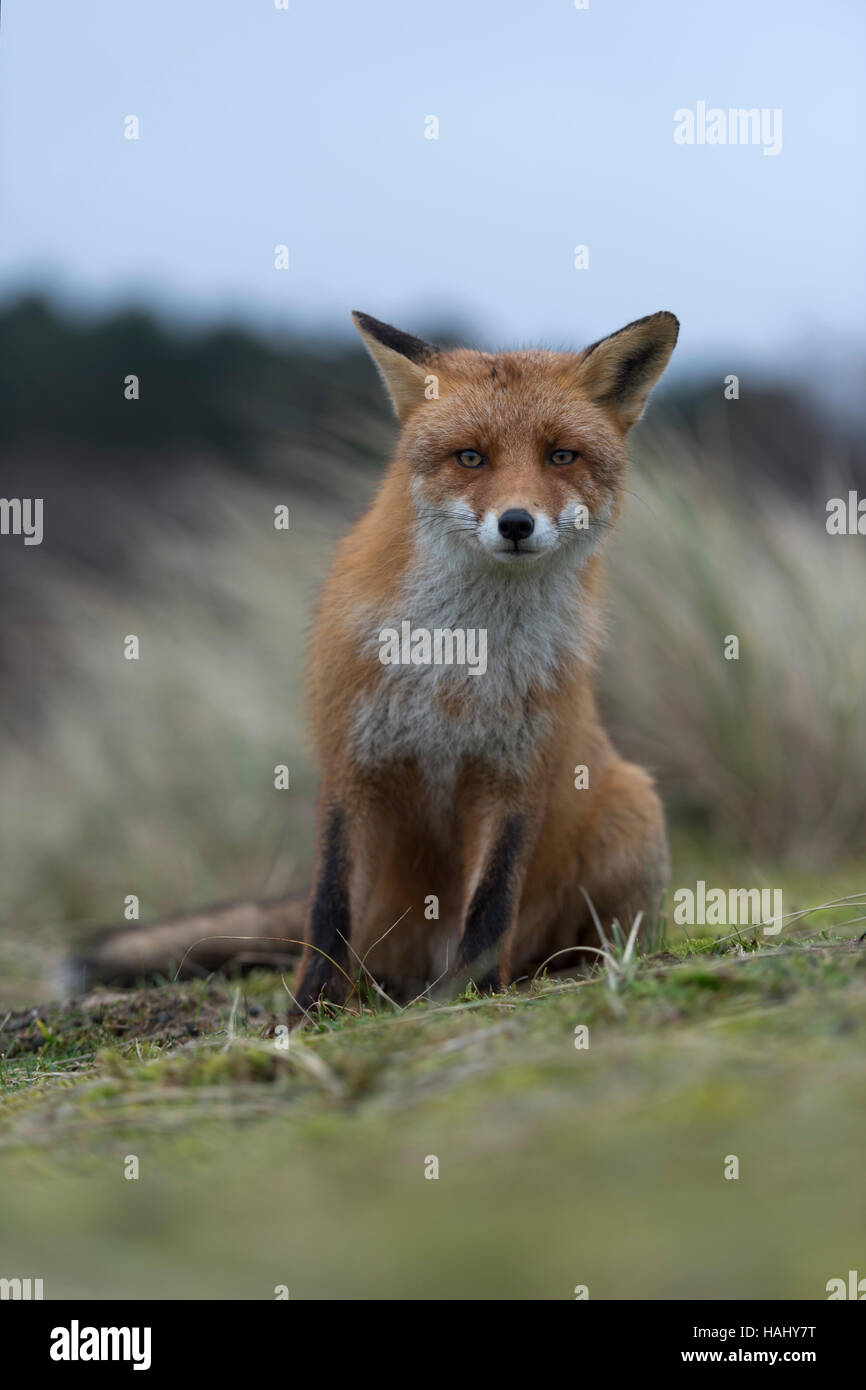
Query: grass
{"x": 766, "y": 751}
{"x": 262, "y": 1164}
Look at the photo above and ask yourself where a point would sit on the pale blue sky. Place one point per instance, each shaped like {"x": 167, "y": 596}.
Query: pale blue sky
{"x": 306, "y": 126}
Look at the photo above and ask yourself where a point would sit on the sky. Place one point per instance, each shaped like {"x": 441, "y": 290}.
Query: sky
{"x": 306, "y": 127}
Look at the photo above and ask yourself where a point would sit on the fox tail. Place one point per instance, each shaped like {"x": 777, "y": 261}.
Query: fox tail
{"x": 192, "y": 945}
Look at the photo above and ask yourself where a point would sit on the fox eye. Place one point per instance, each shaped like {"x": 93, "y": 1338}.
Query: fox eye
{"x": 470, "y": 458}
{"x": 563, "y": 456}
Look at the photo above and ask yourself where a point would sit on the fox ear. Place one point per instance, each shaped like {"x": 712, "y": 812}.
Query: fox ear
{"x": 620, "y": 371}
{"x": 402, "y": 360}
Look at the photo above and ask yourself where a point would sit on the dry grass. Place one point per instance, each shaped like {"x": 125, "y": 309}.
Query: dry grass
{"x": 767, "y": 753}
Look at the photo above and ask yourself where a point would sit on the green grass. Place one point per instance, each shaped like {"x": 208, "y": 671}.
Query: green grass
{"x": 262, "y": 1165}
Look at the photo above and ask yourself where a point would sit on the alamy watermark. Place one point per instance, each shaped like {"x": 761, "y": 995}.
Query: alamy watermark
{"x": 24, "y": 1289}
{"x": 77, "y": 1343}
{"x": 441, "y": 646}
{"x": 854, "y": 1287}
{"x": 846, "y": 516}
{"x": 734, "y": 907}
{"x": 22, "y": 516}
{"x": 712, "y": 125}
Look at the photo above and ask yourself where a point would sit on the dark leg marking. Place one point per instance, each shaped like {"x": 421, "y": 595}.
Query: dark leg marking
{"x": 491, "y": 908}
{"x": 330, "y": 923}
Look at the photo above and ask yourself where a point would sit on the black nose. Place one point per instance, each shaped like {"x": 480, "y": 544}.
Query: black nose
{"x": 516, "y": 524}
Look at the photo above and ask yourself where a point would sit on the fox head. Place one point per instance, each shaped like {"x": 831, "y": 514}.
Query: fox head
{"x": 515, "y": 456}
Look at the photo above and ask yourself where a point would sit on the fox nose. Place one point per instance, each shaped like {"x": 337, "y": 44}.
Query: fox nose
{"x": 516, "y": 524}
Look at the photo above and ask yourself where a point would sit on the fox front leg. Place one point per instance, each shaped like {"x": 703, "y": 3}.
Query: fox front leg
{"x": 492, "y": 908}
{"x": 323, "y": 973}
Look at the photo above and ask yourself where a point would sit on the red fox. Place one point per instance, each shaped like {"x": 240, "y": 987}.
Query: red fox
{"x": 474, "y": 817}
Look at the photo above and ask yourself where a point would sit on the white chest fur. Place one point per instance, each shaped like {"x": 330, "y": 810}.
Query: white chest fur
{"x": 441, "y": 715}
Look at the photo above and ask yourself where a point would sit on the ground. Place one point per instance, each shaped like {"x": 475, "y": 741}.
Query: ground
{"x": 261, "y": 1165}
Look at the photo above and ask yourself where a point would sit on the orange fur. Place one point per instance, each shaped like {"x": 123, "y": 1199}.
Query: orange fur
{"x": 416, "y": 824}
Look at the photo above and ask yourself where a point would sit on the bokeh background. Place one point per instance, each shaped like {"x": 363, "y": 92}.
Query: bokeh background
{"x": 306, "y": 128}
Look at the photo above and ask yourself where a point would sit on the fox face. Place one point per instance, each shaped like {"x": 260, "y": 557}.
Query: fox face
{"x": 514, "y": 457}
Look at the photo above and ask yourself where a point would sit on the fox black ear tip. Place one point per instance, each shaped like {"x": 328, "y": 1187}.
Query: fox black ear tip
{"x": 671, "y": 323}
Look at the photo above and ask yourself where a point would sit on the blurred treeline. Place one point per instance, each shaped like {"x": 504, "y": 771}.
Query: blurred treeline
{"x": 229, "y": 394}
{"x": 222, "y": 391}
